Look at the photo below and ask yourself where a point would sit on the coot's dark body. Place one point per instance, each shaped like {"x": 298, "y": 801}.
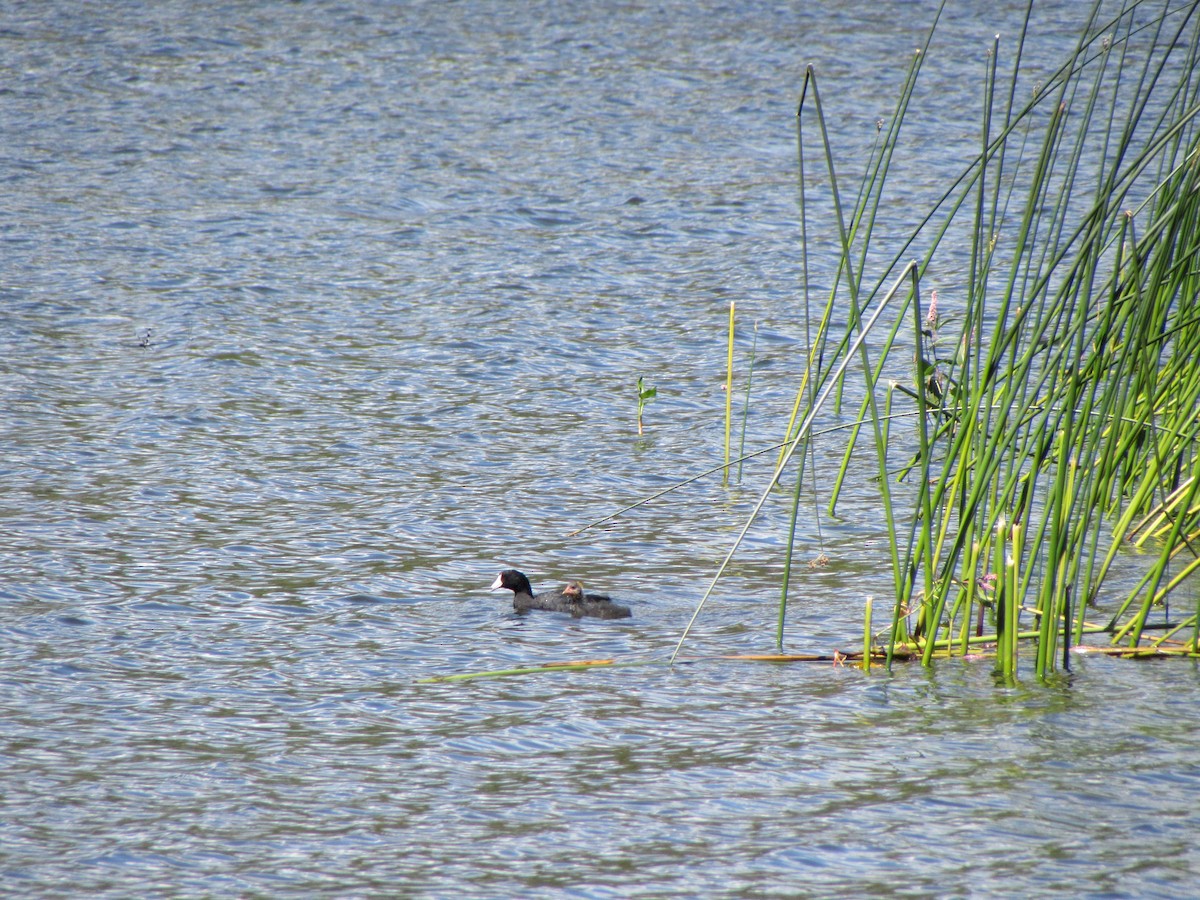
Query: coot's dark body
{"x": 570, "y": 600}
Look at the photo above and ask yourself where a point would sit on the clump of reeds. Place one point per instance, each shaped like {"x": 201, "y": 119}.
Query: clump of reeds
{"x": 1062, "y": 420}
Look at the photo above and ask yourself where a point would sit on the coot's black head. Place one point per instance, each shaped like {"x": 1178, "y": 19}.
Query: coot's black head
{"x": 514, "y": 581}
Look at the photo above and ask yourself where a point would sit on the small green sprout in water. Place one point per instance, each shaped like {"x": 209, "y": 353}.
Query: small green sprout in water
{"x": 644, "y": 394}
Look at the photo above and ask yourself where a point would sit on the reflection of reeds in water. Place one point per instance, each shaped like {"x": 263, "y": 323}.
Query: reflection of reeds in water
{"x": 1063, "y": 418}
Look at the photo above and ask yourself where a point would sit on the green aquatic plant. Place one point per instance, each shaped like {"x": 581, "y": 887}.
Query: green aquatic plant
{"x": 644, "y": 395}
{"x": 1070, "y": 405}
{"x": 1065, "y": 413}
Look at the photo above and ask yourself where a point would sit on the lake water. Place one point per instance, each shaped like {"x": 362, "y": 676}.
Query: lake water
{"x": 313, "y": 316}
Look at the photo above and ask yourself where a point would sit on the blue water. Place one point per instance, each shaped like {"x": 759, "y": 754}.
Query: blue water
{"x": 314, "y": 316}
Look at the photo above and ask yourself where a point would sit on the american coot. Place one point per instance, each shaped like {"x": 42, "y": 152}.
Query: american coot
{"x": 570, "y": 599}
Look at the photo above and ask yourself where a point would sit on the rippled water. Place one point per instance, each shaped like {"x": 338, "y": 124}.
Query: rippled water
{"x": 313, "y": 316}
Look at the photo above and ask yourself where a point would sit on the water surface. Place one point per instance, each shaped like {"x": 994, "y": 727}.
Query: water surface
{"x": 314, "y": 316}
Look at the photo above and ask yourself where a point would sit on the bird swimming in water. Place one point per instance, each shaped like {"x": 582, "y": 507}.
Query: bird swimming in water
{"x": 570, "y": 599}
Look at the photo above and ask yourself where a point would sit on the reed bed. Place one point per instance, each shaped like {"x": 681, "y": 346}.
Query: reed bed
{"x": 1062, "y": 421}
{"x": 1022, "y": 443}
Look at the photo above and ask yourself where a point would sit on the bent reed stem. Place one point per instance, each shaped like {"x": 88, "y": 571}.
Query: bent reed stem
{"x": 830, "y": 384}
